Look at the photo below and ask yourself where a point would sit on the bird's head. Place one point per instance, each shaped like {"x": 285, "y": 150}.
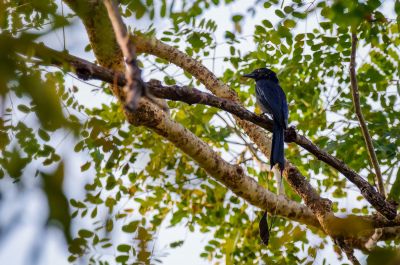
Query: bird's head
{"x": 262, "y": 73}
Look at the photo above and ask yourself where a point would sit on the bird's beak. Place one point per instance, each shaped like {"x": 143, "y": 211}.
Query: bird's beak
{"x": 251, "y": 75}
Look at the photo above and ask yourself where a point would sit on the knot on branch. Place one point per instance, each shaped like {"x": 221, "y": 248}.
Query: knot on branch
{"x": 239, "y": 170}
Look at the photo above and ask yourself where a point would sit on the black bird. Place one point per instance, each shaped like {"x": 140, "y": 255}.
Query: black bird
{"x": 272, "y": 100}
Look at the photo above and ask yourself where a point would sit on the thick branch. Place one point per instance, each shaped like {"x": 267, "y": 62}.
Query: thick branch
{"x": 360, "y": 116}
{"x": 134, "y": 88}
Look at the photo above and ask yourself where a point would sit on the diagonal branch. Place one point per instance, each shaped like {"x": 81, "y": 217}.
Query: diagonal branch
{"x": 360, "y": 116}
{"x": 134, "y": 88}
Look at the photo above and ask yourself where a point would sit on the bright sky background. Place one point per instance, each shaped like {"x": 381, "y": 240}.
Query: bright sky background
{"x": 15, "y": 244}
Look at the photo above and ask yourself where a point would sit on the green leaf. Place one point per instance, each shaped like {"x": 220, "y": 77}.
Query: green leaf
{"x": 78, "y": 147}
{"x": 94, "y": 213}
{"x": 289, "y": 23}
{"x": 131, "y": 227}
{"x": 288, "y": 9}
{"x": 44, "y": 135}
{"x": 122, "y": 258}
{"x": 106, "y": 245}
{"x": 326, "y": 25}
{"x": 23, "y": 108}
{"x": 85, "y": 166}
{"x": 71, "y": 259}
{"x": 237, "y": 18}
{"x": 176, "y": 244}
{"x": 109, "y": 225}
{"x": 267, "y": 23}
{"x": 85, "y": 233}
{"x": 163, "y": 9}
{"x": 279, "y": 13}
{"x": 124, "y": 248}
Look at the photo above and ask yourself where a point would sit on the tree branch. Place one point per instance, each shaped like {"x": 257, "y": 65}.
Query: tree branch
{"x": 360, "y": 116}
{"x": 348, "y": 250}
{"x": 134, "y": 87}
{"x": 94, "y": 16}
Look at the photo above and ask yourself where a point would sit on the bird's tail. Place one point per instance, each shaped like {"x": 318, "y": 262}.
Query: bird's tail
{"x": 277, "y": 153}
{"x": 277, "y": 157}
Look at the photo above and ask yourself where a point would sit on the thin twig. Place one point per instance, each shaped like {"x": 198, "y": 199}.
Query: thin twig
{"x": 360, "y": 116}
{"x": 63, "y": 27}
{"x": 134, "y": 88}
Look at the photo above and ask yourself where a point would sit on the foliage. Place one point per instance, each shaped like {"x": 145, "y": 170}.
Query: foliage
{"x": 139, "y": 180}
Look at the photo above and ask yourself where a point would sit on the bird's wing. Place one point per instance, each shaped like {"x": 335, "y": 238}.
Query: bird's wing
{"x": 272, "y": 95}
